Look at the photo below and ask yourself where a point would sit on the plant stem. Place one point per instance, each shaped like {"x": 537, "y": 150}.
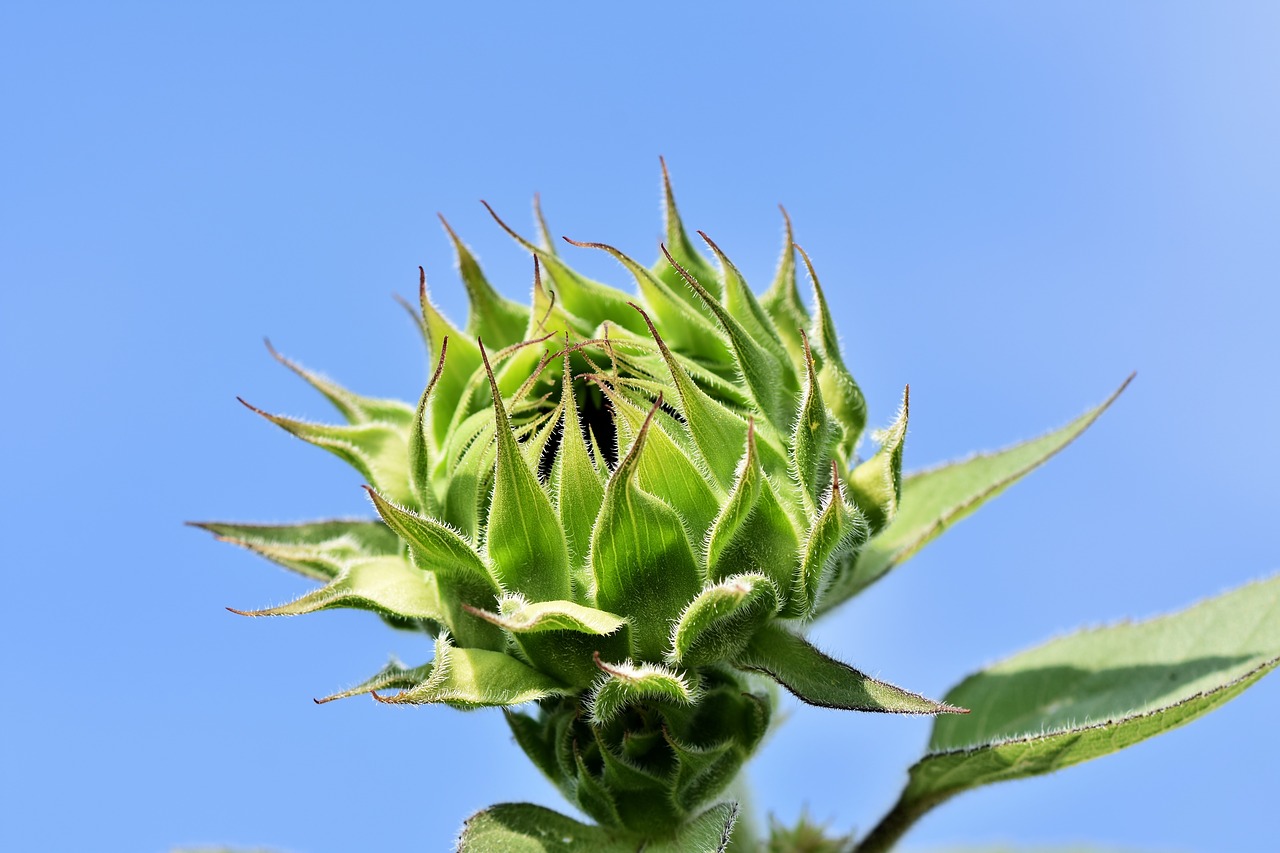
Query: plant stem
{"x": 894, "y": 825}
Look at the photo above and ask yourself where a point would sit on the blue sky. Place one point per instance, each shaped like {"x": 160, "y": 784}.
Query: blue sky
{"x": 1011, "y": 205}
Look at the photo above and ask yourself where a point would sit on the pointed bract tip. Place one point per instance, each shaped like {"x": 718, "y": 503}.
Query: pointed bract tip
{"x": 378, "y": 698}
{"x": 601, "y": 665}
{"x": 435, "y": 375}
{"x": 488, "y": 369}
{"x": 252, "y": 407}
{"x": 498, "y": 219}
{"x": 241, "y": 612}
{"x": 657, "y": 404}
{"x": 807, "y": 262}
{"x": 808, "y": 353}
{"x": 684, "y": 273}
{"x": 447, "y": 227}
{"x": 579, "y": 244}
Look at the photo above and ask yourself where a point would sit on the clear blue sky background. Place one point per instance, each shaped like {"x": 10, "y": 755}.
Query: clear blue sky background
{"x": 1012, "y": 205}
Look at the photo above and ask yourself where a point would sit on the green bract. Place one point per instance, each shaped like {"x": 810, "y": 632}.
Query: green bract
{"x": 618, "y": 511}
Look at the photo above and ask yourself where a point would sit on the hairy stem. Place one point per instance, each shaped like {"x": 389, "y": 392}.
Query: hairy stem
{"x": 895, "y": 824}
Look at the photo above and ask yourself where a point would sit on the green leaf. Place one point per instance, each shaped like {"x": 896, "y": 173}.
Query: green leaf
{"x": 547, "y": 315}
{"x": 462, "y": 365}
{"x": 935, "y": 499}
{"x": 681, "y": 248}
{"x": 470, "y": 479}
{"x": 838, "y": 387}
{"x": 753, "y": 533}
{"x": 703, "y": 771}
{"x": 744, "y": 307}
{"x": 813, "y": 439}
{"x": 493, "y": 316}
{"x": 838, "y": 530}
{"x": 591, "y": 794}
{"x": 393, "y": 676}
{"x": 876, "y": 485}
{"x": 388, "y": 586}
{"x": 544, "y": 233}
{"x": 665, "y": 469}
{"x": 721, "y": 620}
{"x": 475, "y": 678}
{"x": 579, "y": 491}
{"x": 420, "y": 462}
{"x": 768, "y": 379}
{"x": 519, "y": 616}
{"x": 819, "y": 680}
{"x": 536, "y": 735}
{"x": 1089, "y": 694}
{"x": 315, "y": 549}
{"x": 525, "y": 541}
{"x": 376, "y": 450}
{"x": 436, "y": 547}
{"x": 526, "y": 828}
{"x": 644, "y": 565}
{"x": 624, "y": 684}
{"x": 463, "y": 581}
{"x": 355, "y": 408}
{"x": 782, "y": 300}
{"x": 590, "y": 300}
{"x": 687, "y": 327}
{"x": 379, "y": 451}
{"x": 560, "y": 638}
{"x": 718, "y": 433}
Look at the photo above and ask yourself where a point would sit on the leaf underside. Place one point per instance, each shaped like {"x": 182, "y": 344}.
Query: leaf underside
{"x": 1092, "y": 693}
{"x": 934, "y": 499}
{"x": 819, "y": 680}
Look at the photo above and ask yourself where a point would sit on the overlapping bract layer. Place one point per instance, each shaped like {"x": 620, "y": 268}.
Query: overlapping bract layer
{"x": 617, "y": 505}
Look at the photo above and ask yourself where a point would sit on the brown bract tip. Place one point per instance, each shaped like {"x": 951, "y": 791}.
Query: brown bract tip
{"x": 709, "y": 242}
{"x": 684, "y": 273}
{"x": 435, "y": 376}
{"x": 507, "y": 228}
{"x": 252, "y": 407}
{"x": 448, "y": 228}
{"x": 601, "y": 665}
{"x": 493, "y": 382}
